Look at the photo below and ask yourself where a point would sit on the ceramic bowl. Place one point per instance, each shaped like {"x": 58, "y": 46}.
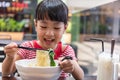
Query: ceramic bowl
{"x": 31, "y": 72}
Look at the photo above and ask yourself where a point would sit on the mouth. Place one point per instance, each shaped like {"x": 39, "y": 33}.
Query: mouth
{"x": 48, "y": 41}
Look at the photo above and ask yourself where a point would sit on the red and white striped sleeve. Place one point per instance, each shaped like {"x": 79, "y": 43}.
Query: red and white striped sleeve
{"x": 26, "y": 54}
{"x": 69, "y": 52}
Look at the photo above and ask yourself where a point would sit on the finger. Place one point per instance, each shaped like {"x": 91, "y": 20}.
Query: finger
{"x": 11, "y": 45}
{"x": 68, "y": 69}
{"x": 61, "y": 66}
{"x": 66, "y": 63}
{"x": 10, "y": 48}
{"x": 60, "y": 58}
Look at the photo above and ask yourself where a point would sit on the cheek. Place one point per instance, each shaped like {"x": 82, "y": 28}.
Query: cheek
{"x": 59, "y": 34}
{"x": 40, "y": 33}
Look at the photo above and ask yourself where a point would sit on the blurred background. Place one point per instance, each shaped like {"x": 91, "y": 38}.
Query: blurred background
{"x": 87, "y": 19}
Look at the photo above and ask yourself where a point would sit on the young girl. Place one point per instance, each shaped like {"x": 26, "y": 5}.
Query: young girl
{"x": 50, "y": 23}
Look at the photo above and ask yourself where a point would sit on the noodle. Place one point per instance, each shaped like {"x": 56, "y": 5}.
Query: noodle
{"x": 42, "y": 58}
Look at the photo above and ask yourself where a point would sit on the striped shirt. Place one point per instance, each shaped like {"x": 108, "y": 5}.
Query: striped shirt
{"x": 29, "y": 54}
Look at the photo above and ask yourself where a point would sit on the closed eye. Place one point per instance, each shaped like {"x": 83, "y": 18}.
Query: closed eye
{"x": 43, "y": 26}
{"x": 56, "y": 28}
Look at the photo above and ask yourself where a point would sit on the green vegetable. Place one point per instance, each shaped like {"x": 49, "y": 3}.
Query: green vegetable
{"x": 51, "y": 54}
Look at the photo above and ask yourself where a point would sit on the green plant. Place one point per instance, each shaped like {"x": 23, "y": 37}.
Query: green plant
{"x": 10, "y": 24}
{"x": 2, "y": 24}
{"x": 20, "y": 25}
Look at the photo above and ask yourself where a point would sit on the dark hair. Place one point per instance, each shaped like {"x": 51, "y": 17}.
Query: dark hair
{"x": 55, "y": 10}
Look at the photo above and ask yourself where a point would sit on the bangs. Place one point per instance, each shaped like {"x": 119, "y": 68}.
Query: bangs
{"x": 50, "y": 11}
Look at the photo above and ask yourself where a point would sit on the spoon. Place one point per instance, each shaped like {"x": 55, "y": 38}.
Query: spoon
{"x": 28, "y": 48}
{"x": 67, "y": 57}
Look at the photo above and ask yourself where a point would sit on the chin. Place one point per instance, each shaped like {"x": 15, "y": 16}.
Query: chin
{"x": 50, "y": 46}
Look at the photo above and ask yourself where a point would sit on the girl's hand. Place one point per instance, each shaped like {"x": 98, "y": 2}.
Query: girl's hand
{"x": 67, "y": 65}
{"x": 10, "y": 49}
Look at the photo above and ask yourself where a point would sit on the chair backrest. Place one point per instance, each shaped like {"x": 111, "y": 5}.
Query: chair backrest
{"x": 29, "y": 36}
{"x": 75, "y": 48}
{"x": 2, "y": 56}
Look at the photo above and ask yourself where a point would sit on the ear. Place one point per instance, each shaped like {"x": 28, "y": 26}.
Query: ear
{"x": 35, "y": 22}
{"x": 65, "y": 26}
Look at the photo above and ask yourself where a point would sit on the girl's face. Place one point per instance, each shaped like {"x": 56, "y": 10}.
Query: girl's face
{"x": 49, "y": 32}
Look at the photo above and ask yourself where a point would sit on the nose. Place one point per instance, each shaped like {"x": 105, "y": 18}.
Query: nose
{"x": 49, "y": 33}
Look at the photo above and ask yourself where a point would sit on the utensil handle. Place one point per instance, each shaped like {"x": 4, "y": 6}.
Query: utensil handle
{"x": 112, "y": 46}
{"x": 27, "y": 48}
{"x": 67, "y": 57}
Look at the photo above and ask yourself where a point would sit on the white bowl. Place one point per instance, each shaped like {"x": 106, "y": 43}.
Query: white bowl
{"x": 28, "y": 72}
